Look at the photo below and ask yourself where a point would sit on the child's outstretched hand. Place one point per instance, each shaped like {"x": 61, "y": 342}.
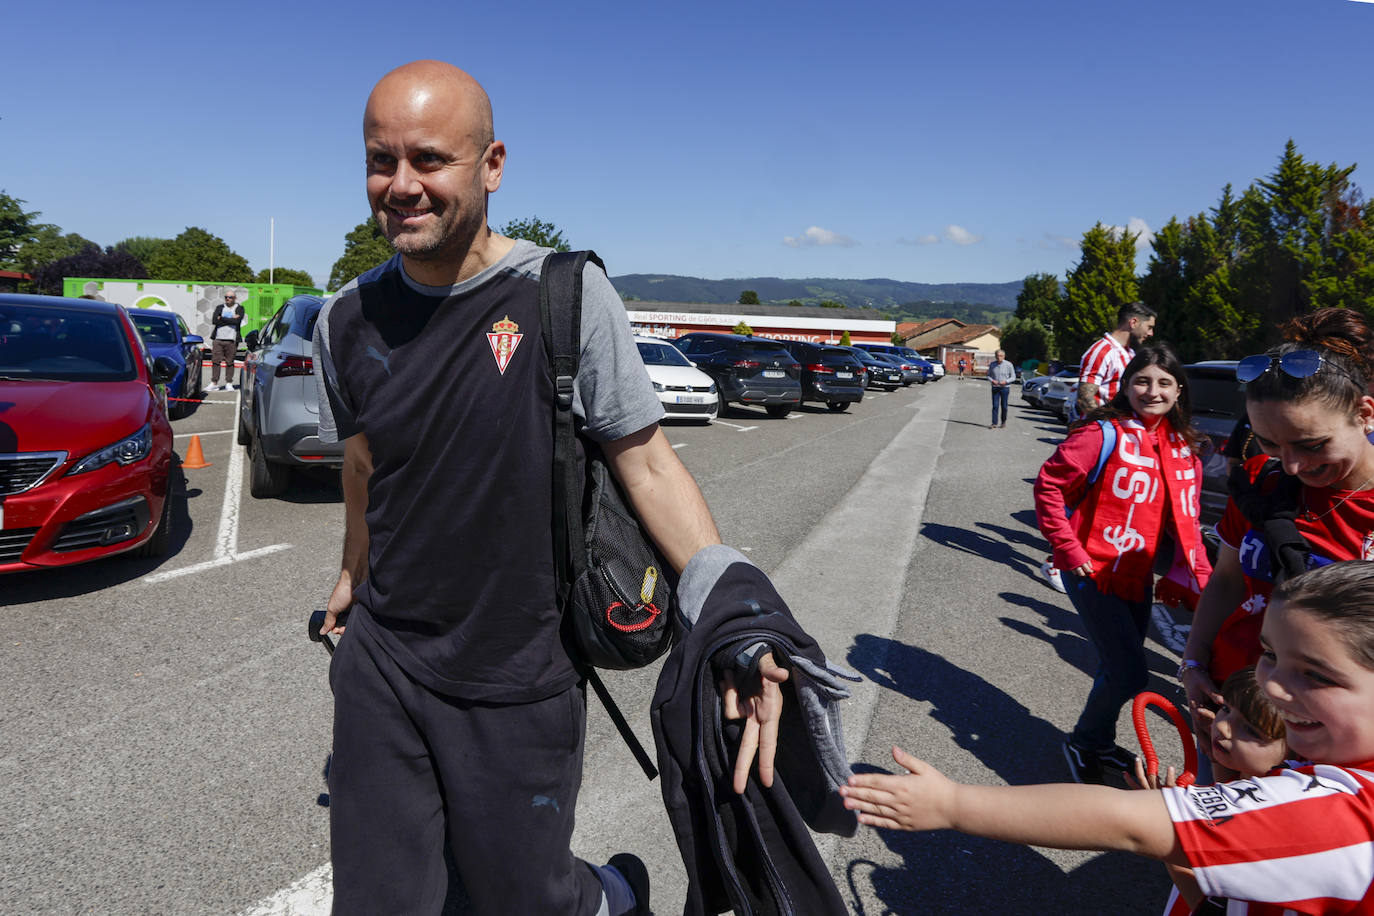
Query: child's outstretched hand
{"x": 1143, "y": 781}
{"x": 918, "y": 801}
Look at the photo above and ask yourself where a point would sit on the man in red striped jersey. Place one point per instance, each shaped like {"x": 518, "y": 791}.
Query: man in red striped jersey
{"x": 1105, "y": 361}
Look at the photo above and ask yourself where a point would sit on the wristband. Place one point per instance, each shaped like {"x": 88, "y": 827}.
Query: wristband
{"x": 1189, "y": 663}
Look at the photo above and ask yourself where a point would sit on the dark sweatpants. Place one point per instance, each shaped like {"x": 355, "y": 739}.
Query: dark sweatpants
{"x": 412, "y": 769}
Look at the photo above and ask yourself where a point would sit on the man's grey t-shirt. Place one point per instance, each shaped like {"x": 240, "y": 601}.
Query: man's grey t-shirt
{"x": 452, "y": 388}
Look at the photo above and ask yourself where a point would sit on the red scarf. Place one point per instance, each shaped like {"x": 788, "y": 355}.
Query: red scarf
{"x": 1149, "y": 472}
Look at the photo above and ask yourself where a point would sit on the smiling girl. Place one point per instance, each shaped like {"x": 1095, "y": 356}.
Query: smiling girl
{"x": 1308, "y": 501}
{"x": 1298, "y": 841}
{"x": 1120, "y": 488}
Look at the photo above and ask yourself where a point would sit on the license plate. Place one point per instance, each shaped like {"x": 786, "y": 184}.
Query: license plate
{"x": 690, "y": 399}
{"x": 844, "y": 375}
{"x": 773, "y": 373}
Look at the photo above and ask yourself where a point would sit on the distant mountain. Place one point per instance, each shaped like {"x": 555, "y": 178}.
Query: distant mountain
{"x": 892, "y": 296}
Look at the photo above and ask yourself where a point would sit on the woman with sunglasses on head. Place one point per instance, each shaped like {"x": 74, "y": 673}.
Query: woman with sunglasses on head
{"x": 1120, "y": 489}
{"x": 1306, "y": 502}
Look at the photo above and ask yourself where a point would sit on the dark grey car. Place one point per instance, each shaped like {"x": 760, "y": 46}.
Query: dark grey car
{"x": 279, "y": 406}
{"x": 1218, "y": 402}
{"x": 746, "y": 370}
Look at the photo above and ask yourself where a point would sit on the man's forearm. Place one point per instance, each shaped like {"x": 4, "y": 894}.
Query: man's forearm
{"x": 357, "y": 470}
{"x": 664, "y": 495}
{"x": 1087, "y": 397}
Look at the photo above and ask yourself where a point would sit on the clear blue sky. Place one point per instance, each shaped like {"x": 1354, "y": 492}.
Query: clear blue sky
{"x": 967, "y": 140}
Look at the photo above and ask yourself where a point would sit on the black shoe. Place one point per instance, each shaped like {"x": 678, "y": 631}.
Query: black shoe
{"x": 1084, "y": 766}
{"x": 1118, "y": 758}
{"x": 631, "y": 867}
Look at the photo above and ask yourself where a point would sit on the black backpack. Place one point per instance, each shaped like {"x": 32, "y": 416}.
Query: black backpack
{"x": 614, "y": 587}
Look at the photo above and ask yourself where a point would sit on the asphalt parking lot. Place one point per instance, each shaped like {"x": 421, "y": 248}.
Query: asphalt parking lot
{"x": 166, "y": 722}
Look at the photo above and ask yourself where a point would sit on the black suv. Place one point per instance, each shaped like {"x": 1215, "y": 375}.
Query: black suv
{"x": 1218, "y": 402}
{"x": 829, "y": 374}
{"x": 749, "y": 370}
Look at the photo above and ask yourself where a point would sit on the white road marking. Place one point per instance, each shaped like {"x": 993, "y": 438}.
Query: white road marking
{"x": 743, "y": 429}
{"x": 1173, "y": 635}
{"x": 312, "y": 895}
{"x": 680, "y": 445}
{"x": 213, "y": 432}
{"x": 227, "y": 541}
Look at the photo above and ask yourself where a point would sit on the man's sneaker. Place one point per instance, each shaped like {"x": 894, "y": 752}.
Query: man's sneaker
{"x": 1052, "y": 576}
{"x": 631, "y": 867}
{"x": 1084, "y": 766}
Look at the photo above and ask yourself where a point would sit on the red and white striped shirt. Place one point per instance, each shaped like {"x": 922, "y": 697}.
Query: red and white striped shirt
{"x": 1103, "y": 365}
{"x": 1299, "y": 841}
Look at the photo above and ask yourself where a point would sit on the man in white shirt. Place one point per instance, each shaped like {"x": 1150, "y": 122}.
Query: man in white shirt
{"x": 224, "y": 340}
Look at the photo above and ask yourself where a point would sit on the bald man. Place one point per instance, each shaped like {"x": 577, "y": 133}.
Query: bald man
{"x": 459, "y": 717}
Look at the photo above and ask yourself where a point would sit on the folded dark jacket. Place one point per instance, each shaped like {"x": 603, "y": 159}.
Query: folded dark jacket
{"x": 752, "y": 854}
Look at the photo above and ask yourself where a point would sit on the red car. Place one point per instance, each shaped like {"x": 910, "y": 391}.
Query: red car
{"x": 85, "y": 444}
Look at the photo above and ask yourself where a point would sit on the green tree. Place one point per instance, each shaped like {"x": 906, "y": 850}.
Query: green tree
{"x": 744, "y": 329}
{"x": 844, "y": 338}
{"x": 1100, "y": 283}
{"x": 748, "y": 297}
{"x": 91, "y": 261}
{"x": 142, "y": 247}
{"x": 49, "y": 244}
{"x": 17, "y": 228}
{"x": 795, "y": 303}
{"x": 831, "y": 304}
{"x": 895, "y": 339}
{"x": 1039, "y": 299}
{"x": 285, "y": 275}
{"x": 198, "y": 255}
{"x": 1024, "y": 339}
{"x": 364, "y": 248}
{"x": 536, "y": 230}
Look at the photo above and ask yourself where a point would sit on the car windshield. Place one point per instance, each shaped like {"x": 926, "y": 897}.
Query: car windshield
{"x": 661, "y": 354}
{"x": 1215, "y": 392}
{"x": 155, "y": 329}
{"x": 70, "y": 345}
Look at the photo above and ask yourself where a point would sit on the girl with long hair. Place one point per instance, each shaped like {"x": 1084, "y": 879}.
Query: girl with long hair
{"x": 1122, "y": 488}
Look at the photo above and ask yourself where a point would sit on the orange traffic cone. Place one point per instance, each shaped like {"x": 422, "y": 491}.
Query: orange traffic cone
{"x": 195, "y": 458}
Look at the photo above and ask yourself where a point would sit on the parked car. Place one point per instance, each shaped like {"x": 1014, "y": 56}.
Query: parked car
{"x": 747, "y": 370}
{"x": 911, "y": 372}
{"x": 880, "y": 373}
{"x": 1218, "y": 403}
{"x": 684, "y": 390}
{"x": 85, "y": 443}
{"x": 1033, "y": 388}
{"x": 164, "y": 333}
{"x": 937, "y": 368}
{"x": 279, "y": 411}
{"x": 829, "y": 374}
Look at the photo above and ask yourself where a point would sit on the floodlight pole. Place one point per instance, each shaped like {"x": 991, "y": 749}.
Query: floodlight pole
{"x": 271, "y": 248}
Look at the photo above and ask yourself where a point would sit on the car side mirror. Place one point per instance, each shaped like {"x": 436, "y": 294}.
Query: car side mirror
{"x": 194, "y": 339}
{"x": 250, "y": 340}
{"x": 164, "y": 370}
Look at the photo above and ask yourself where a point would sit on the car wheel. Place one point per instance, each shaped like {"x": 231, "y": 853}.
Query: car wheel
{"x": 265, "y": 478}
{"x": 837, "y": 406}
{"x": 243, "y": 437}
{"x": 156, "y": 546}
{"x": 778, "y": 411}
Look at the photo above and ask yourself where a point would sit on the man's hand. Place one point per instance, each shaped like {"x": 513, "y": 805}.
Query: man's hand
{"x": 340, "y": 600}
{"x": 918, "y": 801}
{"x": 762, "y": 712}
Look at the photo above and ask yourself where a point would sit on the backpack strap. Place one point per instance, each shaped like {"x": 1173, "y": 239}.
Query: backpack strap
{"x": 1108, "y": 446}
{"x": 560, "y": 317}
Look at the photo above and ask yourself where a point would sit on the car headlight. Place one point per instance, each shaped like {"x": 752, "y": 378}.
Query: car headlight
{"x": 657, "y": 386}
{"x": 125, "y": 451}
{"x": 712, "y": 388}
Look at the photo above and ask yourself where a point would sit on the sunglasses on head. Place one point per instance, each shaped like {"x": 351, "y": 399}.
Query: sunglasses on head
{"x": 1294, "y": 364}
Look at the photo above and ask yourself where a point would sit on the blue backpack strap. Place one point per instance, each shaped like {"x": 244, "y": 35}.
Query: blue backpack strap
{"x": 1108, "y": 446}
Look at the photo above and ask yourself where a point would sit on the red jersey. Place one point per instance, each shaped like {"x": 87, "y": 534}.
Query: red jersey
{"x": 1103, "y": 365}
{"x": 1337, "y": 525}
{"x": 1299, "y": 841}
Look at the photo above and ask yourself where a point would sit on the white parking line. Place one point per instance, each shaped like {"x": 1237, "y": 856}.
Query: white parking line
{"x": 312, "y": 895}
{"x": 213, "y": 432}
{"x": 680, "y": 445}
{"x": 227, "y": 541}
{"x": 743, "y": 429}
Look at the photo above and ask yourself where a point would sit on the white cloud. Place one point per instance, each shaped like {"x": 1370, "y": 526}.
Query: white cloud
{"x": 817, "y": 236}
{"x": 1051, "y": 242}
{"x": 920, "y": 240}
{"x": 961, "y": 236}
{"x": 1144, "y": 235}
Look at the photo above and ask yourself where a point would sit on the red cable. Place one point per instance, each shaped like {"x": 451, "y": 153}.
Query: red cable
{"x": 1147, "y": 698}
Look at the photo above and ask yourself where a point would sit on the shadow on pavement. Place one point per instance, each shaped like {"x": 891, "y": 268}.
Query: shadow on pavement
{"x": 946, "y": 872}
{"x": 981, "y": 545}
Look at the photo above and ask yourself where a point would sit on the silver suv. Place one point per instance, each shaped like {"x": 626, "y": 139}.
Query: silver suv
{"x": 279, "y": 411}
